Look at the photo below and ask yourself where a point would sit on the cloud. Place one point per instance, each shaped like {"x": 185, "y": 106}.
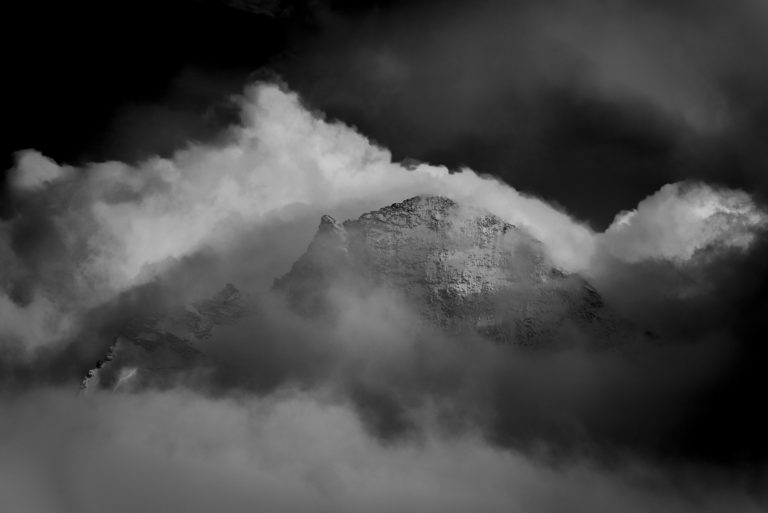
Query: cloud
{"x": 34, "y": 170}
{"x": 594, "y": 105}
{"x": 111, "y": 223}
{"x": 682, "y": 220}
{"x": 178, "y": 451}
{"x": 377, "y": 354}
{"x": 84, "y": 235}
{"x": 109, "y": 240}
{"x": 382, "y": 406}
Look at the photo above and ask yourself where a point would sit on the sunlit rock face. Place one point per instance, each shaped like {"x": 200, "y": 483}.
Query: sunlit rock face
{"x": 456, "y": 268}
{"x": 460, "y": 268}
{"x": 168, "y": 348}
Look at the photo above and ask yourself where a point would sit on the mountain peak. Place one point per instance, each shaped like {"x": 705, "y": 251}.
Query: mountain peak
{"x": 459, "y": 266}
{"x": 425, "y": 201}
{"x": 426, "y": 209}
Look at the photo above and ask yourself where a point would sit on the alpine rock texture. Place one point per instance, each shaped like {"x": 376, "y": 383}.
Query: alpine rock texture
{"x": 160, "y": 351}
{"x": 461, "y": 269}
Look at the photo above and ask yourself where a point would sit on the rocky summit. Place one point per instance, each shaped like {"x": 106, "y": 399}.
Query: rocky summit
{"x": 461, "y": 269}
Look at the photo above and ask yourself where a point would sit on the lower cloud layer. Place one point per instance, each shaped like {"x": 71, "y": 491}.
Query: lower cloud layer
{"x": 177, "y": 451}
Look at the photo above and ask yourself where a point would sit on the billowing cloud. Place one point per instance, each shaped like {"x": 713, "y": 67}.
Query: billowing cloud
{"x": 341, "y": 414}
{"x": 177, "y": 451}
{"x": 593, "y": 104}
{"x": 681, "y": 220}
{"x": 83, "y": 235}
{"x": 111, "y": 223}
{"x": 34, "y": 170}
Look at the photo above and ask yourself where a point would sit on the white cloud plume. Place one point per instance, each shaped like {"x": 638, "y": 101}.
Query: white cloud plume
{"x": 283, "y": 155}
{"x": 113, "y": 221}
{"x": 682, "y": 219}
{"x": 94, "y": 231}
{"x": 34, "y": 170}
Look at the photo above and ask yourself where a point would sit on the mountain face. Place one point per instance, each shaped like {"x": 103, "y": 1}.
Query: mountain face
{"x": 161, "y": 350}
{"x": 460, "y": 268}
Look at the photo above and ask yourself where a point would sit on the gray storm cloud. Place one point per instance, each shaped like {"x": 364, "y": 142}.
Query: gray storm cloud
{"x": 177, "y": 451}
{"x": 298, "y": 419}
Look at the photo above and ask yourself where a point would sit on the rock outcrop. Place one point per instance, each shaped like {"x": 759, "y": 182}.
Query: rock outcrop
{"x": 162, "y": 350}
{"x": 462, "y": 268}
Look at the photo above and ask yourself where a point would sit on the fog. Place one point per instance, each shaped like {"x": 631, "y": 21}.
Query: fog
{"x": 370, "y": 408}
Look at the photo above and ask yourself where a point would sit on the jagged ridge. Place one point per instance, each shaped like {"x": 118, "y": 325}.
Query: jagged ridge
{"x": 153, "y": 349}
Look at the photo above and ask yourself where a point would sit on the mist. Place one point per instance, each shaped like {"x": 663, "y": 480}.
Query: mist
{"x": 371, "y": 406}
{"x": 290, "y": 452}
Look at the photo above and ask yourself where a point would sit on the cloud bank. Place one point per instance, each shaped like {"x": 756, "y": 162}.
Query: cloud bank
{"x": 179, "y": 452}
{"x": 372, "y": 408}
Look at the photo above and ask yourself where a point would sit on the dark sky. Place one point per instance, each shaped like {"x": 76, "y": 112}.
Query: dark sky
{"x": 592, "y": 105}
{"x": 75, "y": 67}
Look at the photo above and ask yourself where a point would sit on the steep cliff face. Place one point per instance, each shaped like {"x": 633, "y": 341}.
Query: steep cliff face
{"x": 461, "y": 267}
{"x": 162, "y": 350}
